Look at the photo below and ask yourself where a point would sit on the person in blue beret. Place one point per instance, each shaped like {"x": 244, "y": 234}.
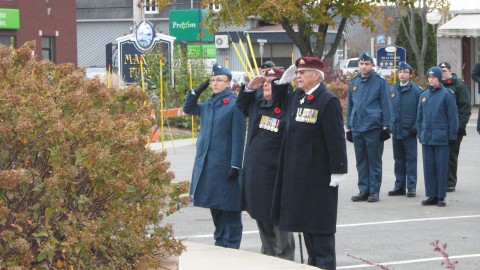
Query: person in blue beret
{"x": 215, "y": 178}
{"x": 462, "y": 98}
{"x": 404, "y": 97}
{"x": 368, "y": 120}
{"x": 437, "y": 126}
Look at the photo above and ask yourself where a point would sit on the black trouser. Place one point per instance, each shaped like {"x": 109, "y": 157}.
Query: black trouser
{"x": 321, "y": 250}
{"x": 453, "y": 151}
{"x": 276, "y": 242}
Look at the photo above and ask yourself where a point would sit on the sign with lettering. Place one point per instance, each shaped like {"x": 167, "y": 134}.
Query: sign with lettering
{"x": 388, "y": 57}
{"x": 9, "y": 18}
{"x": 186, "y": 25}
{"x": 201, "y": 51}
{"x": 130, "y": 55}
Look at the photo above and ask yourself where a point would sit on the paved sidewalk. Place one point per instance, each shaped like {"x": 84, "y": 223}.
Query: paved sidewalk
{"x": 208, "y": 257}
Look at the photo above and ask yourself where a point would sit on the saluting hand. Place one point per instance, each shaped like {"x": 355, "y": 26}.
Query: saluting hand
{"x": 256, "y": 82}
{"x": 202, "y": 87}
{"x": 289, "y": 75}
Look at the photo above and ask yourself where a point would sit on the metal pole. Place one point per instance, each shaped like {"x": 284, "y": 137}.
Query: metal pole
{"x": 301, "y": 247}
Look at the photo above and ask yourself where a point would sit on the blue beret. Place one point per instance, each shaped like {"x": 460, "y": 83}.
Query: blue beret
{"x": 403, "y": 65}
{"x": 435, "y": 71}
{"x": 365, "y": 57}
{"x": 219, "y": 70}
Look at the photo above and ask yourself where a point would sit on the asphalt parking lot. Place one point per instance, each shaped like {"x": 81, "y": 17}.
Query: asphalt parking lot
{"x": 395, "y": 232}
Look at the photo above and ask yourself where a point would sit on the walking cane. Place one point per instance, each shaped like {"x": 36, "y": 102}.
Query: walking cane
{"x": 301, "y": 247}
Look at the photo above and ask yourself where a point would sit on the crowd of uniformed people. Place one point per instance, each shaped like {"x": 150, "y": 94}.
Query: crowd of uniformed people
{"x": 285, "y": 165}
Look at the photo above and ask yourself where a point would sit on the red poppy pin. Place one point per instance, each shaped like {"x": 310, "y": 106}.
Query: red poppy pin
{"x": 226, "y": 100}
{"x": 277, "y": 110}
{"x": 310, "y": 97}
{"x": 449, "y": 81}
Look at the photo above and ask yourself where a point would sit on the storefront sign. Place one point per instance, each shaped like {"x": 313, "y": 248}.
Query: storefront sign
{"x": 185, "y": 25}
{"x": 9, "y": 18}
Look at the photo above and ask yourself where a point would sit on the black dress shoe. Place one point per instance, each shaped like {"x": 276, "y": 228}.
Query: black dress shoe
{"x": 450, "y": 189}
{"x": 373, "y": 198}
{"x": 430, "y": 201}
{"x": 397, "y": 192}
{"x": 360, "y": 197}
{"x": 411, "y": 193}
{"x": 441, "y": 202}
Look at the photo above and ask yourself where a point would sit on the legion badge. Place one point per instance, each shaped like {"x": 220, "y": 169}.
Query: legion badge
{"x": 424, "y": 99}
{"x": 354, "y": 88}
{"x": 393, "y": 95}
{"x": 301, "y": 62}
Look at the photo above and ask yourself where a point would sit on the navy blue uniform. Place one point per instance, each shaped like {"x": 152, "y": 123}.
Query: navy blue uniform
{"x": 368, "y": 110}
{"x": 437, "y": 125}
{"x": 404, "y": 103}
{"x": 219, "y": 147}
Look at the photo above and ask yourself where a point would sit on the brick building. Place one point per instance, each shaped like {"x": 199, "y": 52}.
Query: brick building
{"x": 51, "y": 23}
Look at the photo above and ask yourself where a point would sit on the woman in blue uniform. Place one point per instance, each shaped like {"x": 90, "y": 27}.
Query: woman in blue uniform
{"x": 437, "y": 125}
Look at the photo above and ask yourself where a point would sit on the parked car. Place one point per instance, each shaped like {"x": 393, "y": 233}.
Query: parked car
{"x": 349, "y": 67}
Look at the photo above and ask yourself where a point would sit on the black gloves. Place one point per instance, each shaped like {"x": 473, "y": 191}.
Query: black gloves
{"x": 201, "y": 87}
{"x": 233, "y": 174}
{"x": 413, "y": 132}
{"x": 384, "y": 134}
{"x": 451, "y": 142}
{"x": 349, "y": 136}
{"x": 461, "y": 132}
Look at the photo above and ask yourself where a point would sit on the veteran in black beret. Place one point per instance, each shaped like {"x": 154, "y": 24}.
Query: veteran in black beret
{"x": 462, "y": 98}
{"x": 368, "y": 121}
{"x": 215, "y": 178}
{"x": 313, "y": 161}
{"x": 404, "y": 96}
{"x": 437, "y": 125}
{"x": 267, "y": 115}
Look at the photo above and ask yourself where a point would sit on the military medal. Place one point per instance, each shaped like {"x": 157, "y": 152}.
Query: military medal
{"x": 269, "y": 123}
{"x": 306, "y": 115}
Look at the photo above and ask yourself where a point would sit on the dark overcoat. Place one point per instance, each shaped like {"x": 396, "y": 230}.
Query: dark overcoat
{"x": 313, "y": 149}
{"x": 266, "y": 125}
{"x": 219, "y": 146}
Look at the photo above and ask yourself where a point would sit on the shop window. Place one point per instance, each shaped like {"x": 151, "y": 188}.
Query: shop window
{"x": 8, "y": 41}
{"x": 48, "y": 48}
{"x": 151, "y": 6}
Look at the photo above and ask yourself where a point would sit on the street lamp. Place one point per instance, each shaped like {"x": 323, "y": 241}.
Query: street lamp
{"x": 434, "y": 17}
{"x": 260, "y": 49}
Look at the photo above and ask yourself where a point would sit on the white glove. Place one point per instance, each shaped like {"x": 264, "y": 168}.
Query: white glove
{"x": 336, "y": 179}
{"x": 289, "y": 75}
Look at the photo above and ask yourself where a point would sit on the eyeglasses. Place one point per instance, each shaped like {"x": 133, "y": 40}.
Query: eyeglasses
{"x": 301, "y": 72}
{"x": 217, "y": 80}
